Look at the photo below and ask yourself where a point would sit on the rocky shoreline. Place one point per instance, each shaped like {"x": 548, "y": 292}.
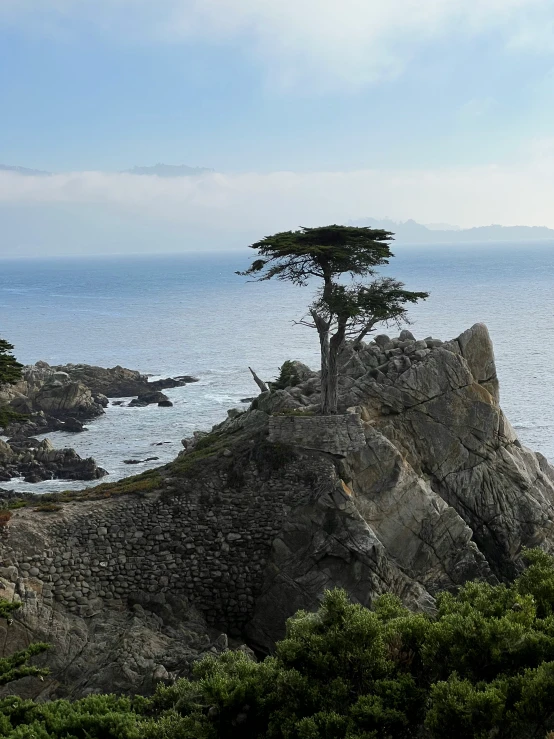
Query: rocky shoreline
{"x": 64, "y": 398}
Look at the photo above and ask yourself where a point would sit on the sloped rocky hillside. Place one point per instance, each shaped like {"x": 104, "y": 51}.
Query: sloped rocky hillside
{"x": 417, "y": 485}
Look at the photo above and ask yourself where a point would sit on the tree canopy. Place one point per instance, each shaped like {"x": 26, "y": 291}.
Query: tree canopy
{"x": 340, "y": 311}
{"x": 324, "y": 252}
{"x": 361, "y": 307}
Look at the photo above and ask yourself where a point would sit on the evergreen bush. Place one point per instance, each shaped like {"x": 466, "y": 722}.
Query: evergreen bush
{"x": 481, "y": 667}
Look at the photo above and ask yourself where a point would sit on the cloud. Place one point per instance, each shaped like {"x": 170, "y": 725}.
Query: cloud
{"x": 318, "y": 43}
{"x": 262, "y": 203}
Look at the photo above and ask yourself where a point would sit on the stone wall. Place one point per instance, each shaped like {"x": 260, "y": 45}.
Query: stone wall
{"x": 201, "y": 539}
{"x": 340, "y": 435}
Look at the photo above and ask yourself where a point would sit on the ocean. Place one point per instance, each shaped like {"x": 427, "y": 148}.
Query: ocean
{"x": 191, "y": 314}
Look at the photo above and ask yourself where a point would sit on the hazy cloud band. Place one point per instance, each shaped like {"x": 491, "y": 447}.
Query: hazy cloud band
{"x": 282, "y": 200}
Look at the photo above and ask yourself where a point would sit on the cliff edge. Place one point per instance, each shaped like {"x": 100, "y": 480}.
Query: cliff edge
{"x": 418, "y": 485}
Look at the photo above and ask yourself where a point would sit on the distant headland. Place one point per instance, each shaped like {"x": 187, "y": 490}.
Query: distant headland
{"x": 411, "y": 232}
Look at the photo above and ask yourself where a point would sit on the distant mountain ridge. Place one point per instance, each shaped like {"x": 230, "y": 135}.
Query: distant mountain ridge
{"x": 22, "y": 170}
{"x": 159, "y": 170}
{"x": 169, "y": 170}
{"x": 411, "y": 232}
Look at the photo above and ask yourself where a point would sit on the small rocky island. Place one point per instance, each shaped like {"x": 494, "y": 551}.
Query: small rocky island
{"x": 418, "y": 485}
{"x": 63, "y": 398}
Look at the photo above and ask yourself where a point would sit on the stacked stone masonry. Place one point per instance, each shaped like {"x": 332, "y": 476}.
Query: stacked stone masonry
{"x": 205, "y": 541}
{"x": 339, "y": 435}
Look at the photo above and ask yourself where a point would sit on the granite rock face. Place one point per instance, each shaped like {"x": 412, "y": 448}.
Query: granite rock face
{"x": 156, "y": 639}
{"x": 442, "y": 482}
{"x": 49, "y": 398}
{"x": 418, "y": 485}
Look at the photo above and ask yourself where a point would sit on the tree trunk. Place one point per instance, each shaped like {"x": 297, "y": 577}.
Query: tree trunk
{"x": 361, "y": 336}
{"x": 323, "y": 331}
{"x": 324, "y": 346}
{"x": 335, "y": 345}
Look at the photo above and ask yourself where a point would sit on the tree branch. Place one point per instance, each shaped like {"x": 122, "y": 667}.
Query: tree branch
{"x": 260, "y": 383}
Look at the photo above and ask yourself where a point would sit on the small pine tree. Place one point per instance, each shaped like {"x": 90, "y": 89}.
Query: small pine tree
{"x": 10, "y": 369}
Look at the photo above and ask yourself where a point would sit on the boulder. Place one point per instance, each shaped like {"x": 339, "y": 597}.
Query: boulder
{"x": 139, "y": 461}
{"x": 476, "y": 348}
{"x": 5, "y": 451}
{"x": 276, "y": 401}
{"x": 382, "y": 341}
{"x": 73, "y": 425}
{"x": 101, "y": 400}
{"x": 148, "y": 399}
{"x": 234, "y": 412}
{"x": 406, "y": 335}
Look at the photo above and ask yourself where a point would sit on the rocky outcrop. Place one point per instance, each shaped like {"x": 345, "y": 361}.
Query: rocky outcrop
{"x": 36, "y": 461}
{"x": 44, "y": 389}
{"x": 62, "y": 397}
{"x": 49, "y": 398}
{"x": 119, "y": 382}
{"x": 418, "y": 485}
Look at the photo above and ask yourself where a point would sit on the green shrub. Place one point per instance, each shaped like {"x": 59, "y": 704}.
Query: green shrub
{"x": 482, "y": 667}
{"x": 145, "y": 482}
{"x": 14, "y": 505}
{"x": 15, "y": 666}
{"x": 48, "y": 508}
{"x": 7, "y": 417}
{"x": 288, "y": 377}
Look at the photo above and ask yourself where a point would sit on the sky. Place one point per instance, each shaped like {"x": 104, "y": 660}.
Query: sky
{"x": 308, "y": 111}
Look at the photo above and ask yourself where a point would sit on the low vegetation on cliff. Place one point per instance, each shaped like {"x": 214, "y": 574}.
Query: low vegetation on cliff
{"x": 483, "y": 666}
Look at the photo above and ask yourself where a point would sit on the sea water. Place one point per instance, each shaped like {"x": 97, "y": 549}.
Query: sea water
{"x": 191, "y": 314}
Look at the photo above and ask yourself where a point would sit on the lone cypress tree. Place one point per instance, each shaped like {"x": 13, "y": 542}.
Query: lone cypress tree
{"x": 10, "y": 369}
{"x": 340, "y": 311}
